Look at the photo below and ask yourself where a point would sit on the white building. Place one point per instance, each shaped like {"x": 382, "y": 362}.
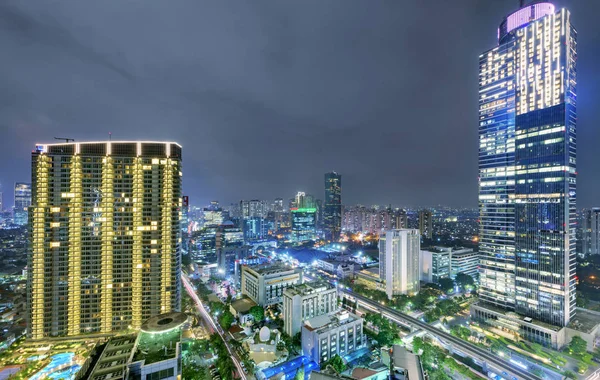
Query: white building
{"x": 332, "y": 334}
{"x": 265, "y": 284}
{"x": 399, "y": 266}
{"x": 301, "y": 302}
{"x": 591, "y": 232}
{"x": 445, "y": 262}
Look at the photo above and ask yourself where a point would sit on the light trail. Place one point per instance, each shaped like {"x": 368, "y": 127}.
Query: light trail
{"x": 190, "y": 289}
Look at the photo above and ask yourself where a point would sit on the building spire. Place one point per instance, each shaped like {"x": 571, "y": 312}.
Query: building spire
{"x": 522, "y": 3}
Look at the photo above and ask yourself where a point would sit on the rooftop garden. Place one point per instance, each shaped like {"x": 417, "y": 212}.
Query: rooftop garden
{"x": 157, "y": 347}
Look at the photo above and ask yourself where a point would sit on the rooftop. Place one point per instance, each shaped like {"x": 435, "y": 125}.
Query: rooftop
{"x": 164, "y": 322}
{"x": 113, "y": 359}
{"x": 407, "y": 361}
{"x": 243, "y": 305}
{"x": 308, "y": 288}
{"x": 156, "y": 347}
{"x": 585, "y": 320}
{"x": 329, "y": 321}
{"x": 271, "y": 268}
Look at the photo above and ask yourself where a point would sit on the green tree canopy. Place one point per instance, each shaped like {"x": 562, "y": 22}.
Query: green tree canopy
{"x": 257, "y": 312}
{"x": 464, "y": 280}
{"x": 447, "y": 285}
{"x": 578, "y": 345}
{"x": 226, "y": 319}
{"x": 337, "y": 363}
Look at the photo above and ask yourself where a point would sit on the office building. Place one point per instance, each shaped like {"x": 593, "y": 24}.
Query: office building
{"x": 214, "y": 215}
{"x": 22, "y": 202}
{"x": 445, "y": 262}
{"x": 185, "y": 213}
{"x": 253, "y": 208}
{"x": 105, "y": 236}
{"x": 304, "y": 218}
{"x": 305, "y": 301}
{"x": 426, "y": 223}
{"x": 332, "y": 208}
{"x": 591, "y": 232}
{"x": 325, "y": 336}
{"x": 466, "y": 261}
{"x": 399, "y": 261}
{"x": 265, "y": 284}
{"x": 228, "y": 255}
{"x": 527, "y": 170}
{"x": 209, "y": 240}
{"x": 435, "y": 264}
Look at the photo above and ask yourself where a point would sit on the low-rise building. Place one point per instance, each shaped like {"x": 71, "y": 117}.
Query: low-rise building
{"x": 240, "y": 309}
{"x": 370, "y": 278}
{"x": 305, "y": 301}
{"x": 404, "y": 365}
{"x": 464, "y": 261}
{"x": 341, "y": 268}
{"x": 265, "y": 284}
{"x": 327, "y": 335}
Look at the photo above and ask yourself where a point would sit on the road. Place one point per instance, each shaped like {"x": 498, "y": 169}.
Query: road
{"x": 465, "y": 347}
{"x": 190, "y": 289}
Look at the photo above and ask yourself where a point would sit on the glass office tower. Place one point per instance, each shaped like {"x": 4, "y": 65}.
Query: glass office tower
{"x": 104, "y": 249}
{"x": 22, "y": 202}
{"x": 527, "y": 175}
{"x": 332, "y": 212}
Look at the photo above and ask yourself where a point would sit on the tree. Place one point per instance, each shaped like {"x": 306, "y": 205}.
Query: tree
{"x": 578, "y": 345}
{"x": 257, "y": 312}
{"x": 582, "y": 367}
{"x": 447, "y": 285}
{"x": 570, "y": 374}
{"x": 297, "y": 339}
{"x": 299, "y": 374}
{"x": 385, "y": 338}
{"x": 463, "y": 280}
{"x": 226, "y": 319}
{"x": 337, "y": 363}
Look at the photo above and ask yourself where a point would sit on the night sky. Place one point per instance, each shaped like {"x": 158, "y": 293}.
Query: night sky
{"x": 266, "y": 96}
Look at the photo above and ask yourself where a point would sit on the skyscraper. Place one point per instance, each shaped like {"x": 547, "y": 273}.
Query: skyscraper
{"x": 22, "y": 202}
{"x": 426, "y": 223}
{"x": 332, "y": 210}
{"x": 304, "y": 217}
{"x": 591, "y": 232}
{"x": 399, "y": 266}
{"x": 105, "y": 236}
{"x": 527, "y": 175}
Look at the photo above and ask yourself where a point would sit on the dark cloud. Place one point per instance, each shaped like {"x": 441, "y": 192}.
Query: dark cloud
{"x": 266, "y": 96}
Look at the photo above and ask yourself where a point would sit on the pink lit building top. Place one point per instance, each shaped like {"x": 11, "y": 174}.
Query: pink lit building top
{"x": 524, "y": 16}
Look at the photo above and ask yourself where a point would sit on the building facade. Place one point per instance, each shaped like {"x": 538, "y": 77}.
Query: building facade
{"x": 332, "y": 209}
{"x": 591, "y": 232}
{"x": 464, "y": 261}
{"x": 265, "y": 284}
{"x": 399, "y": 265}
{"x": 325, "y": 336}
{"x": 22, "y": 202}
{"x": 104, "y": 249}
{"x": 426, "y": 223}
{"x": 305, "y": 301}
{"x": 435, "y": 264}
{"x": 527, "y": 166}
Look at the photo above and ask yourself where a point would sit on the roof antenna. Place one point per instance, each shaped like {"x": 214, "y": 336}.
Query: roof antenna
{"x": 522, "y": 3}
{"x": 64, "y": 138}
{"x": 109, "y": 136}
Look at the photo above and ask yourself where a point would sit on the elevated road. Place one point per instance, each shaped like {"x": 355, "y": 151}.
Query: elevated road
{"x": 467, "y": 348}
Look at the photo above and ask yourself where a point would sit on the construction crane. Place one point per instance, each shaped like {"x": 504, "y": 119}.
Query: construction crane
{"x": 64, "y": 138}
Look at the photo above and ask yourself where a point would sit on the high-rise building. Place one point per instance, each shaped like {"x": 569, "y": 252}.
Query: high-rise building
{"x": 527, "y": 170}
{"x": 213, "y": 214}
{"x": 591, "y": 232}
{"x": 426, "y": 223}
{"x": 332, "y": 208}
{"x": 104, "y": 250}
{"x": 399, "y": 266}
{"x": 304, "y": 217}
{"x": 22, "y": 202}
{"x": 253, "y": 208}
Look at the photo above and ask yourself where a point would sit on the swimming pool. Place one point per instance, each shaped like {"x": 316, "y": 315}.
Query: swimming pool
{"x": 54, "y": 371}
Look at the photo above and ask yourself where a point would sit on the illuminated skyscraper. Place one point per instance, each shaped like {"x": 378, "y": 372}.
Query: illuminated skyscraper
{"x": 332, "y": 210}
{"x": 426, "y": 223}
{"x": 105, "y": 236}
{"x": 22, "y": 202}
{"x": 527, "y": 175}
{"x": 304, "y": 217}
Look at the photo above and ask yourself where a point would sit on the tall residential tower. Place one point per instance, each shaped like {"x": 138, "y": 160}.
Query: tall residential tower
{"x": 527, "y": 174}
{"x": 332, "y": 210}
{"x": 105, "y": 237}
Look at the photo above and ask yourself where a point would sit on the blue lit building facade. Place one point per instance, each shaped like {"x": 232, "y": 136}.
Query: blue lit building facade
{"x": 527, "y": 168}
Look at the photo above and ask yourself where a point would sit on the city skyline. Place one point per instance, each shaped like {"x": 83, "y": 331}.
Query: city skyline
{"x": 295, "y": 112}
